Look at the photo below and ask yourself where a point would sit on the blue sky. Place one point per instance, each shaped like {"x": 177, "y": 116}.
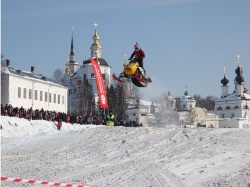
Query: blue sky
{"x": 186, "y": 42}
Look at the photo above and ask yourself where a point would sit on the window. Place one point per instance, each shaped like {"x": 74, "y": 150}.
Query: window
{"x": 58, "y": 99}
{"x": 41, "y": 95}
{"x": 30, "y": 94}
{"x": 35, "y": 94}
{"x": 19, "y": 92}
{"x": 50, "y": 97}
{"x": 54, "y": 98}
{"x": 63, "y": 100}
{"x": 228, "y": 108}
{"x": 25, "y": 93}
{"x": 219, "y": 108}
{"x": 236, "y": 107}
{"x": 45, "y": 96}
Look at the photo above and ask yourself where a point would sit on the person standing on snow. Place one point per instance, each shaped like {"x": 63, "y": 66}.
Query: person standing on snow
{"x": 110, "y": 119}
{"x": 59, "y": 124}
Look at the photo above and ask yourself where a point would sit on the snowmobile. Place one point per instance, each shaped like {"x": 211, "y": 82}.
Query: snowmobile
{"x": 135, "y": 73}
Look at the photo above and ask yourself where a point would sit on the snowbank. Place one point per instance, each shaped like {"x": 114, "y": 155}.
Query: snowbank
{"x": 124, "y": 156}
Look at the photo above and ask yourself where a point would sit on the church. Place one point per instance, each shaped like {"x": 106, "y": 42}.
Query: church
{"x": 75, "y": 73}
{"x": 191, "y": 115}
{"x": 233, "y": 108}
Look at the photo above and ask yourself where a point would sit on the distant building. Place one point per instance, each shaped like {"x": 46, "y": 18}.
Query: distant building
{"x": 185, "y": 102}
{"x": 29, "y": 89}
{"x": 233, "y": 109}
{"x": 75, "y": 74}
{"x": 190, "y": 115}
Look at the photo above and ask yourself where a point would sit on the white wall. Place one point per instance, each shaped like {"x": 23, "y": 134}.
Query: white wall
{"x": 16, "y": 82}
{"x": 228, "y": 123}
{"x": 138, "y": 114}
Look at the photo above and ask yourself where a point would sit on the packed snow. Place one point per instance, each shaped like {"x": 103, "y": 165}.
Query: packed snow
{"x": 124, "y": 156}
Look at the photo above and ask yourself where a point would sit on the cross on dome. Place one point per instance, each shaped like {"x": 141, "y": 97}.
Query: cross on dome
{"x": 238, "y": 56}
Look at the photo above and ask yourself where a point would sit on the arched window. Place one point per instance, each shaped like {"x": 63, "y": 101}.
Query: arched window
{"x": 228, "y": 108}
{"x": 219, "y": 108}
{"x": 236, "y": 107}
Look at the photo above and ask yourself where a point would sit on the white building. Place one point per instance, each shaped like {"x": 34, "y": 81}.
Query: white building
{"x": 75, "y": 74}
{"x": 233, "y": 109}
{"x": 29, "y": 89}
{"x": 185, "y": 102}
{"x": 190, "y": 115}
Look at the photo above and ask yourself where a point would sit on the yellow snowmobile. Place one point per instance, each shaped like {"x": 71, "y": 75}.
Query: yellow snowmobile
{"x": 135, "y": 73}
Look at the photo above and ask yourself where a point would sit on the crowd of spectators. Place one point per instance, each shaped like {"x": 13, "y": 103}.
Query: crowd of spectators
{"x": 31, "y": 114}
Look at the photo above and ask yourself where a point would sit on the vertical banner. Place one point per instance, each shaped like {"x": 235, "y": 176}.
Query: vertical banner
{"x": 100, "y": 84}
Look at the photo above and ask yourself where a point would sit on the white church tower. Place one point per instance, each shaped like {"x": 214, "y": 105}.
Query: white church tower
{"x": 233, "y": 109}
{"x": 96, "y": 48}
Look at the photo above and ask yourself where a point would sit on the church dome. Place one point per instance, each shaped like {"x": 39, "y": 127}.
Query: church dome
{"x": 239, "y": 78}
{"x": 224, "y": 81}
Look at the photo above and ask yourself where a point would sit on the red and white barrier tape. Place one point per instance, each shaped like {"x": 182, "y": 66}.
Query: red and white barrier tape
{"x": 32, "y": 181}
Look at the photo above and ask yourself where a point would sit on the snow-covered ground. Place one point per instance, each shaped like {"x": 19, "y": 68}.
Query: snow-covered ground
{"x": 124, "y": 156}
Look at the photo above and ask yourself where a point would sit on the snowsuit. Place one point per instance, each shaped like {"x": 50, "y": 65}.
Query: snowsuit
{"x": 110, "y": 120}
{"x": 139, "y": 55}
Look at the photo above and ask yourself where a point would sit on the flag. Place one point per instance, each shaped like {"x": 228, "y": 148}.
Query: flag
{"x": 100, "y": 84}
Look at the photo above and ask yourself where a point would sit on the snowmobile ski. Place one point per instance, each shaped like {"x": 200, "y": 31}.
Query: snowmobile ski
{"x": 138, "y": 78}
{"x": 116, "y": 78}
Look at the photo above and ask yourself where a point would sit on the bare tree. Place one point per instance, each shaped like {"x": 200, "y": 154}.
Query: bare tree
{"x": 120, "y": 96}
{"x": 207, "y": 103}
{"x": 85, "y": 98}
{"x": 57, "y": 76}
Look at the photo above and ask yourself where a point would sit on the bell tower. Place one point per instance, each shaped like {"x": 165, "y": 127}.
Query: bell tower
{"x": 96, "y": 49}
{"x": 72, "y": 64}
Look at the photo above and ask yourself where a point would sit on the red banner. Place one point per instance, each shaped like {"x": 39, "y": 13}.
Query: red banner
{"x": 100, "y": 84}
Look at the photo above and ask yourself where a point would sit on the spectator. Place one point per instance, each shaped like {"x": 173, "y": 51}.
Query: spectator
{"x": 59, "y": 124}
{"x": 110, "y": 118}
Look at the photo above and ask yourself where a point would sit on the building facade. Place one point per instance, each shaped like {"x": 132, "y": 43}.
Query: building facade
{"x": 190, "y": 115}
{"x": 233, "y": 108}
{"x": 29, "y": 89}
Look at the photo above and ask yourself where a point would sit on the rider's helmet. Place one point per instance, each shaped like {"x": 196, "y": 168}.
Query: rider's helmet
{"x": 137, "y": 47}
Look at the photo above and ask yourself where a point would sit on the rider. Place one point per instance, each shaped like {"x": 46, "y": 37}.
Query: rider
{"x": 139, "y": 54}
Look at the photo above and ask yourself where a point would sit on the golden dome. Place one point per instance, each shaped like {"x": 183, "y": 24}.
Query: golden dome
{"x": 95, "y": 39}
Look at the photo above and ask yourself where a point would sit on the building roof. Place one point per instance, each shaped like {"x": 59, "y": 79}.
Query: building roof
{"x": 101, "y": 60}
{"x": 28, "y": 74}
{"x": 234, "y": 96}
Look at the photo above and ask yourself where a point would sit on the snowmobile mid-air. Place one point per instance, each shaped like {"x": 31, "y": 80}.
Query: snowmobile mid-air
{"x": 135, "y": 73}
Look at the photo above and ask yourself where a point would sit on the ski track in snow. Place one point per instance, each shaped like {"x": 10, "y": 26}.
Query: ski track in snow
{"x": 120, "y": 156}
